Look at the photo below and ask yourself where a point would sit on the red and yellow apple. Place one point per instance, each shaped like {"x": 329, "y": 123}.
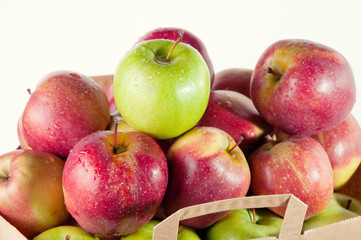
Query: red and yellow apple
{"x": 31, "y": 195}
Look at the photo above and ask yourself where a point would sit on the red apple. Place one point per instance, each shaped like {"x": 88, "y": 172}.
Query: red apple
{"x": 172, "y": 33}
{"x": 295, "y": 164}
{"x": 302, "y": 87}
{"x": 204, "y": 166}
{"x": 343, "y": 148}
{"x": 64, "y": 108}
{"x": 22, "y": 142}
{"x": 31, "y": 196}
{"x": 235, "y": 114}
{"x": 235, "y": 79}
{"x": 112, "y": 188}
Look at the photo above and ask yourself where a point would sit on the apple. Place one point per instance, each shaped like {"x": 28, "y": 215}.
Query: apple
{"x": 22, "y": 142}
{"x": 172, "y": 33}
{"x": 235, "y": 79}
{"x": 106, "y": 82}
{"x": 162, "y": 88}
{"x": 65, "y": 107}
{"x": 65, "y": 233}
{"x": 113, "y": 186}
{"x": 205, "y": 165}
{"x": 243, "y": 224}
{"x": 295, "y": 164}
{"x": 342, "y": 144}
{"x": 235, "y": 114}
{"x": 341, "y": 207}
{"x": 302, "y": 87}
{"x": 146, "y": 232}
{"x": 31, "y": 196}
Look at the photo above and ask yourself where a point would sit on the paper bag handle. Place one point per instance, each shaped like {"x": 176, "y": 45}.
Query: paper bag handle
{"x": 290, "y": 229}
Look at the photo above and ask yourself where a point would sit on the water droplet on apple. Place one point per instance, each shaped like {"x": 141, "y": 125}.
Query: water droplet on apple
{"x": 229, "y": 104}
{"x": 57, "y": 126}
{"x": 182, "y": 70}
{"x": 94, "y": 178}
{"x": 181, "y": 79}
{"x": 79, "y": 161}
{"x": 142, "y": 48}
{"x": 136, "y": 86}
{"x": 187, "y": 176}
{"x": 62, "y": 113}
{"x": 150, "y": 77}
{"x": 86, "y": 170}
{"x": 142, "y": 60}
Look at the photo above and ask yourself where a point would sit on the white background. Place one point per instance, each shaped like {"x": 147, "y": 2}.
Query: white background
{"x": 41, "y": 36}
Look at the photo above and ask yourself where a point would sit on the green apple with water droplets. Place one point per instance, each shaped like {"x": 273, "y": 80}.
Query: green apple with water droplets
{"x": 65, "y": 233}
{"x": 161, "y": 90}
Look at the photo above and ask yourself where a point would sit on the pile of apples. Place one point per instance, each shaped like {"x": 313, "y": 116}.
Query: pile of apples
{"x": 170, "y": 133}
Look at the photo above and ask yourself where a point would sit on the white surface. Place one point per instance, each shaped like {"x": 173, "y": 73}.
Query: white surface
{"x": 90, "y": 37}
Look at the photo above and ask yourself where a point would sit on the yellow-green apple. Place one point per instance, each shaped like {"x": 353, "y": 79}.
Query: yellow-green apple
{"x": 65, "y": 233}
{"x": 341, "y": 207}
{"x": 65, "y": 107}
{"x": 302, "y": 87}
{"x": 160, "y": 94}
{"x": 31, "y": 196}
{"x": 172, "y": 33}
{"x": 204, "y": 165}
{"x": 146, "y": 232}
{"x": 235, "y": 114}
{"x": 114, "y": 185}
{"x": 235, "y": 79}
{"x": 342, "y": 144}
{"x": 295, "y": 164}
{"x": 243, "y": 224}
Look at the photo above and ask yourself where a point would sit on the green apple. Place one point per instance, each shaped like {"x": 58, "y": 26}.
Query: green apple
{"x": 341, "y": 207}
{"x": 65, "y": 233}
{"x": 240, "y": 225}
{"x": 146, "y": 232}
{"x": 160, "y": 95}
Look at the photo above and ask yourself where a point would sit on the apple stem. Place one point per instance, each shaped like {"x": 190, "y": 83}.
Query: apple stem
{"x": 254, "y": 215}
{"x": 181, "y": 33}
{"x": 349, "y": 201}
{"x": 29, "y": 91}
{"x": 237, "y": 143}
{"x": 270, "y": 139}
{"x": 270, "y": 71}
{"x": 116, "y": 122}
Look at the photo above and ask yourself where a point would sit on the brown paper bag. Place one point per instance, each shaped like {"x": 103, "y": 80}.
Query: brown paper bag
{"x": 291, "y": 227}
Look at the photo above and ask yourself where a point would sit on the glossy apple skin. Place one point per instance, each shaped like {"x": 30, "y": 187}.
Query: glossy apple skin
{"x": 315, "y": 91}
{"x": 65, "y": 107}
{"x": 172, "y": 95}
{"x": 22, "y": 142}
{"x": 146, "y": 232}
{"x": 235, "y": 114}
{"x": 31, "y": 196}
{"x": 234, "y": 79}
{"x": 201, "y": 170}
{"x": 111, "y": 194}
{"x": 341, "y": 207}
{"x": 296, "y": 164}
{"x": 342, "y": 144}
{"x": 172, "y": 33}
{"x": 239, "y": 225}
{"x": 65, "y": 232}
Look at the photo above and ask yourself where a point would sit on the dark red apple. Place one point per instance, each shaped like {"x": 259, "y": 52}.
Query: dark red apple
{"x": 342, "y": 144}
{"x": 235, "y": 79}
{"x": 64, "y": 108}
{"x": 112, "y": 188}
{"x": 204, "y": 165}
{"x": 302, "y": 87}
{"x": 235, "y": 114}
{"x": 295, "y": 164}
